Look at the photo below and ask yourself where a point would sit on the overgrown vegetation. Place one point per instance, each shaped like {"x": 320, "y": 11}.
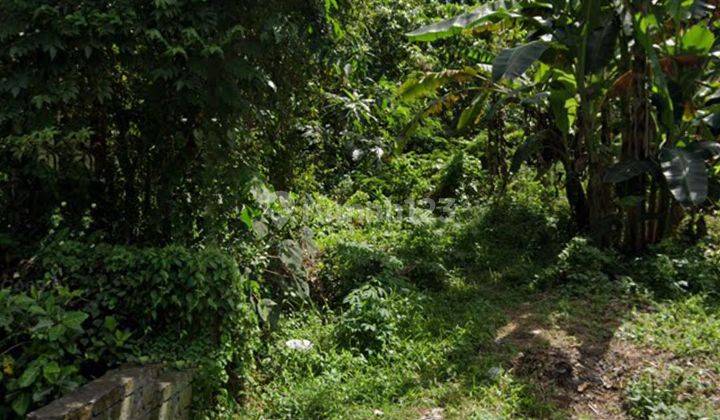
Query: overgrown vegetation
{"x": 359, "y": 209}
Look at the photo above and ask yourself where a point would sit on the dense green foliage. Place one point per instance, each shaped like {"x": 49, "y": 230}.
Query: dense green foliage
{"x": 349, "y": 209}
{"x": 101, "y": 304}
{"x": 623, "y": 99}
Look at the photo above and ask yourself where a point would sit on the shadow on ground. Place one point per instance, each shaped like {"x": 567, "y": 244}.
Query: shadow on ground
{"x": 560, "y": 344}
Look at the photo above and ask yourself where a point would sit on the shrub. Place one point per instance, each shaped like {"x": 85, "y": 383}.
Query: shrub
{"x": 462, "y": 177}
{"x": 504, "y": 235}
{"x": 47, "y": 347}
{"x": 369, "y": 321}
{"x": 350, "y": 265}
{"x": 580, "y": 263}
{"x": 666, "y": 395}
{"x": 180, "y": 305}
{"x": 423, "y": 251}
{"x": 672, "y": 268}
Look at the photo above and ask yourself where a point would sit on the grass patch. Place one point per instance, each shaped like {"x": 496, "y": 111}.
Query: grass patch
{"x": 689, "y": 326}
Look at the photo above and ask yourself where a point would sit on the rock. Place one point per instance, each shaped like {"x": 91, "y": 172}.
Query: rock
{"x": 432, "y": 414}
{"x": 302, "y": 345}
{"x": 494, "y": 372}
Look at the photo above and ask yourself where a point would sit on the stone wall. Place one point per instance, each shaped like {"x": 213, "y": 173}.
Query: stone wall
{"x": 142, "y": 393}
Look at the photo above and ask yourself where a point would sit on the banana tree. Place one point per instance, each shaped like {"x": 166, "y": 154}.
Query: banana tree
{"x": 608, "y": 84}
{"x": 666, "y": 140}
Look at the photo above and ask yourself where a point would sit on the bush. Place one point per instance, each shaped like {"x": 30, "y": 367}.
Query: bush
{"x": 369, "y": 322}
{"x": 350, "y": 265}
{"x": 580, "y": 263}
{"x": 47, "y": 347}
{"x": 672, "y": 268}
{"x": 462, "y": 177}
{"x": 180, "y": 305}
{"x": 423, "y": 251}
{"x": 504, "y": 235}
{"x": 666, "y": 395}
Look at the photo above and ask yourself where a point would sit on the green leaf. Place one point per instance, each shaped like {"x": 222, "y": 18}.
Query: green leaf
{"x": 110, "y": 323}
{"x": 20, "y": 404}
{"x": 246, "y": 217}
{"x": 422, "y": 85}
{"x": 42, "y": 324}
{"x": 74, "y": 320}
{"x": 493, "y": 11}
{"x": 28, "y": 377}
{"x": 564, "y": 108}
{"x": 697, "y": 40}
{"x": 51, "y": 372}
{"x": 713, "y": 123}
{"x": 470, "y": 114}
{"x": 513, "y": 62}
{"x": 626, "y": 170}
{"x": 686, "y": 174}
{"x": 269, "y": 312}
{"x": 56, "y": 332}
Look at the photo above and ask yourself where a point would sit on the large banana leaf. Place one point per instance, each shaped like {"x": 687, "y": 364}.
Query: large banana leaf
{"x": 434, "y": 107}
{"x": 492, "y": 11}
{"x": 532, "y": 145}
{"x": 513, "y": 62}
{"x": 471, "y": 114}
{"x": 601, "y": 46}
{"x": 628, "y": 169}
{"x": 422, "y": 85}
{"x": 686, "y": 174}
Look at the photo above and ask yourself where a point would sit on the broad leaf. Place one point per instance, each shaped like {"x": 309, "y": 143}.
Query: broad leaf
{"x": 531, "y": 146}
{"x": 422, "y": 85}
{"x": 564, "y": 108}
{"x": 601, "y": 46}
{"x": 471, "y": 114}
{"x": 626, "y": 170}
{"x": 51, "y": 372}
{"x": 269, "y": 312}
{"x": 713, "y": 123}
{"x": 494, "y": 11}
{"x": 434, "y": 107}
{"x": 697, "y": 40}
{"x": 686, "y": 175}
{"x": 74, "y": 319}
{"x": 513, "y": 62}
{"x": 21, "y": 403}
{"x": 29, "y": 375}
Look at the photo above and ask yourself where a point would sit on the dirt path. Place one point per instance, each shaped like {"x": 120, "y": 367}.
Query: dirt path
{"x": 578, "y": 364}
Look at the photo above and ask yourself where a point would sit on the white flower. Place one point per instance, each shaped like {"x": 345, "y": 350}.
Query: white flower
{"x": 357, "y": 154}
{"x": 379, "y": 152}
